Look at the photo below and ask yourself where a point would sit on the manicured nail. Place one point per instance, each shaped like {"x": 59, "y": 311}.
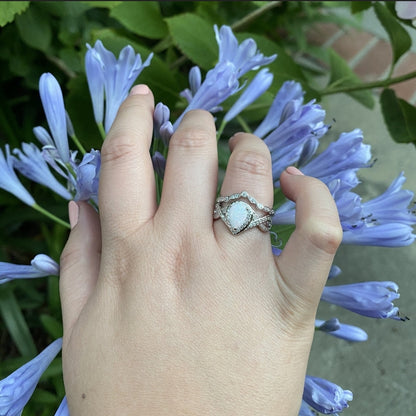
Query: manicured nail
{"x": 73, "y": 213}
{"x": 140, "y": 89}
{"x": 294, "y": 171}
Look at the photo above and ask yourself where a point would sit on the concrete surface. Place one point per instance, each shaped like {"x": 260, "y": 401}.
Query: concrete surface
{"x": 381, "y": 372}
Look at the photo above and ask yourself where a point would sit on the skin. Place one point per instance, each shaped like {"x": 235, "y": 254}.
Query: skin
{"x": 165, "y": 312}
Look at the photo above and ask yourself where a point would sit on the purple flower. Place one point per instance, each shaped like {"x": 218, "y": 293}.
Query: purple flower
{"x": 305, "y": 410}
{"x": 257, "y": 87}
{"x": 383, "y": 235}
{"x": 18, "y": 387}
{"x": 347, "y": 153}
{"x": 372, "y": 299}
{"x": 31, "y": 163}
{"x": 40, "y": 266}
{"x": 392, "y": 205}
{"x": 9, "y": 180}
{"x": 339, "y": 330}
{"x": 43, "y": 136}
{"x": 53, "y": 105}
{"x": 88, "y": 176}
{"x": 111, "y": 78}
{"x": 159, "y": 164}
{"x": 222, "y": 81}
{"x": 161, "y": 117}
{"x": 289, "y": 91}
{"x": 299, "y": 125}
{"x": 324, "y": 396}
{"x": 244, "y": 57}
{"x": 63, "y": 408}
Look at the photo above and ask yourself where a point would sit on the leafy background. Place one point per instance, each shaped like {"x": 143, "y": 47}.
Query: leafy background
{"x": 38, "y": 37}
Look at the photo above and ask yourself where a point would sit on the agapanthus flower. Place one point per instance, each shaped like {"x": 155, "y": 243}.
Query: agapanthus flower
{"x": 63, "y": 408}
{"x": 18, "y": 387}
{"x": 325, "y": 396}
{"x": 9, "y": 180}
{"x": 344, "y": 331}
{"x": 305, "y": 410}
{"x": 40, "y": 266}
{"x": 53, "y": 105}
{"x": 159, "y": 164}
{"x": 299, "y": 125}
{"x": 254, "y": 90}
{"x": 161, "y": 117}
{"x": 348, "y": 153}
{"x": 289, "y": 91}
{"x": 372, "y": 299}
{"x": 223, "y": 80}
{"x": 111, "y": 79}
{"x": 87, "y": 176}
{"x": 31, "y": 163}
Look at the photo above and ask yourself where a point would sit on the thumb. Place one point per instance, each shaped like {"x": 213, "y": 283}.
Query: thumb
{"x": 80, "y": 261}
{"x": 306, "y": 259}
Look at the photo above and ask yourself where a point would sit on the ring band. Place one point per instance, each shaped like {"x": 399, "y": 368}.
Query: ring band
{"x": 239, "y": 215}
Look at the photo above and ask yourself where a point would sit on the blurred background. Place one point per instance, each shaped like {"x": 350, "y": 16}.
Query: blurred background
{"x": 326, "y": 46}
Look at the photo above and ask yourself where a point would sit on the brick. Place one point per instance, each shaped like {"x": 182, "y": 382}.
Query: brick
{"x": 375, "y": 62}
{"x": 407, "y": 64}
{"x": 349, "y": 44}
{"x": 320, "y": 34}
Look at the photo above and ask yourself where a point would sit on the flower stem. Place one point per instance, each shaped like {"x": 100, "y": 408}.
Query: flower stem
{"x": 78, "y": 144}
{"x": 50, "y": 215}
{"x": 221, "y": 129}
{"x": 369, "y": 85}
{"x": 102, "y": 131}
{"x": 243, "y": 124}
{"x": 254, "y": 15}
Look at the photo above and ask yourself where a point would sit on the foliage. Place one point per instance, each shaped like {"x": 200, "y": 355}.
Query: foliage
{"x": 38, "y": 37}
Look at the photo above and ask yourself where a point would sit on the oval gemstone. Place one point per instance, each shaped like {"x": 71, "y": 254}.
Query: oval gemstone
{"x": 238, "y": 215}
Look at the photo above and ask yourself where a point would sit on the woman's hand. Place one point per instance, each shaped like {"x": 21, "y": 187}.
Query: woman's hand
{"x": 165, "y": 311}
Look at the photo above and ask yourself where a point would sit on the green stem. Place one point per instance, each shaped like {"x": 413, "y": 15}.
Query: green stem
{"x": 254, "y": 15}
{"x": 50, "y": 215}
{"x": 101, "y": 130}
{"x": 243, "y": 124}
{"x": 370, "y": 85}
{"x": 78, "y": 144}
{"x": 221, "y": 129}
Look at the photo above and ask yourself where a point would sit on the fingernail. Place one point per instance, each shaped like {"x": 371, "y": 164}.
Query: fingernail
{"x": 294, "y": 171}
{"x": 73, "y": 213}
{"x": 140, "y": 89}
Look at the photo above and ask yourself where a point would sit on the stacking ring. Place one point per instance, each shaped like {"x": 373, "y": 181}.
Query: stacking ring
{"x": 239, "y": 215}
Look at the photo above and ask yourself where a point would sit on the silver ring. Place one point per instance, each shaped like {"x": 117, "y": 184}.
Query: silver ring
{"x": 239, "y": 215}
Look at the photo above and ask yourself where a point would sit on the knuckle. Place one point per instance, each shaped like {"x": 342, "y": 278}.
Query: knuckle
{"x": 326, "y": 236}
{"x": 120, "y": 147}
{"x": 253, "y": 162}
{"x": 190, "y": 138}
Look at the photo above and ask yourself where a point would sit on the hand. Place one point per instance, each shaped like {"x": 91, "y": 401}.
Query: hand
{"x": 165, "y": 312}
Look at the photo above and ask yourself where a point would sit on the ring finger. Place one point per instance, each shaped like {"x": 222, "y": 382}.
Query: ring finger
{"x": 249, "y": 169}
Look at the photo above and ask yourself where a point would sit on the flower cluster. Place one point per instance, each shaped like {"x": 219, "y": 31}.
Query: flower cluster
{"x": 292, "y": 130}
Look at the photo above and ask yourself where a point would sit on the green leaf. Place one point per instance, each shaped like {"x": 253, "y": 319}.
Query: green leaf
{"x": 342, "y": 75}
{"x": 103, "y": 4}
{"x": 195, "y": 38}
{"x": 9, "y": 10}
{"x": 34, "y": 28}
{"x": 141, "y": 17}
{"x": 399, "y": 116}
{"x": 51, "y": 325}
{"x": 16, "y": 323}
{"x": 359, "y": 6}
{"x": 399, "y": 38}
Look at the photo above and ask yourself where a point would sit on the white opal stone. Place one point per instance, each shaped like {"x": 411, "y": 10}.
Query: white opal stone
{"x": 238, "y": 215}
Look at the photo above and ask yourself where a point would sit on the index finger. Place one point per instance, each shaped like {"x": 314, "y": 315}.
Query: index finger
{"x": 127, "y": 196}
